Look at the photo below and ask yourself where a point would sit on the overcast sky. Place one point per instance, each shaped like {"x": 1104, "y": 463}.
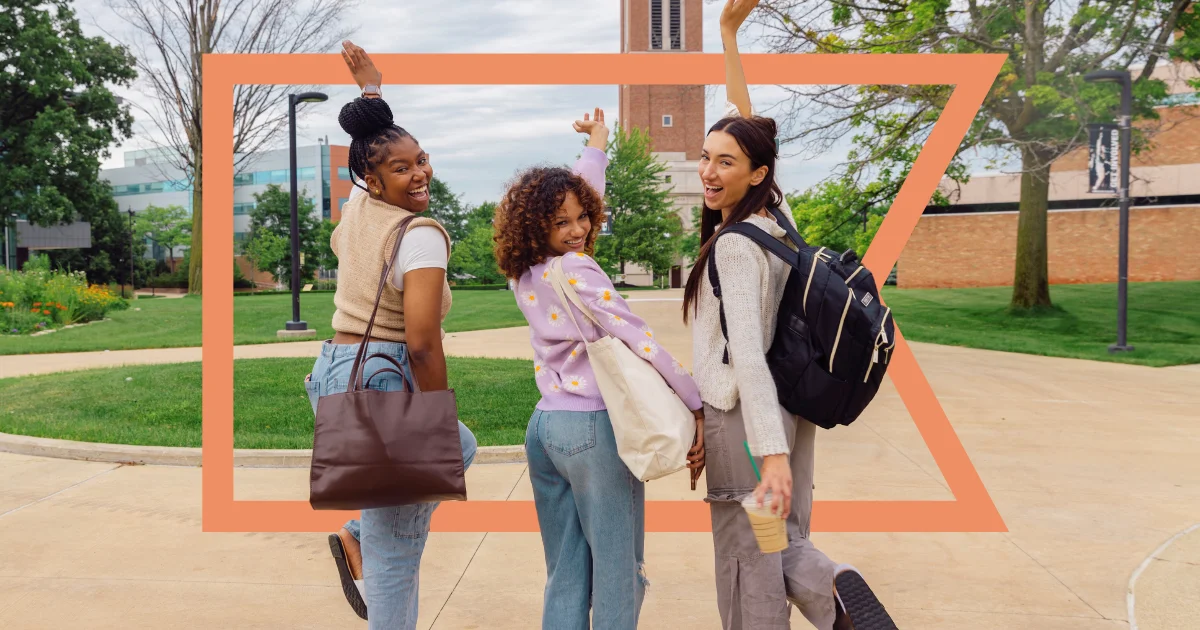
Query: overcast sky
{"x": 479, "y": 136}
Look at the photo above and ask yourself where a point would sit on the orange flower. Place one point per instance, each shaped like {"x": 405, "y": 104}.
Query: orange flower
{"x": 33, "y": 310}
{"x": 37, "y": 303}
{"x": 45, "y": 312}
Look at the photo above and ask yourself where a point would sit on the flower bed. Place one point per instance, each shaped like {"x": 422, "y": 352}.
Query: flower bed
{"x": 38, "y": 300}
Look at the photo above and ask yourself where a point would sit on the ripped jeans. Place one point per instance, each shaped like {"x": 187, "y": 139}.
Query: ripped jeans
{"x": 591, "y": 511}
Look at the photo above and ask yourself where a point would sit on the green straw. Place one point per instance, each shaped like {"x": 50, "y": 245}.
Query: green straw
{"x": 756, "y": 474}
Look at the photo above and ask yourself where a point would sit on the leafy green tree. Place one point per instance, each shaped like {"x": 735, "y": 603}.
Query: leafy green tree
{"x": 58, "y": 117}
{"x": 1037, "y": 109}
{"x": 475, "y": 254}
{"x": 689, "y": 247}
{"x": 107, "y": 260}
{"x": 645, "y": 228}
{"x": 271, "y": 222}
{"x": 169, "y": 226}
{"x": 326, "y": 259}
{"x": 447, "y": 208}
{"x": 269, "y": 252}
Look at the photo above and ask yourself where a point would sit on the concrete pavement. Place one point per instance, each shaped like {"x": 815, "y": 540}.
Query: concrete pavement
{"x": 1095, "y": 468}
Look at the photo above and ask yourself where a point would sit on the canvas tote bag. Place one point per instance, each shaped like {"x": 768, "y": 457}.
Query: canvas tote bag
{"x": 374, "y": 448}
{"x": 653, "y": 427}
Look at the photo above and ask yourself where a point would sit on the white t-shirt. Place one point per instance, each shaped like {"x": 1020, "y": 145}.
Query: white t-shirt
{"x": 424, "y": 247}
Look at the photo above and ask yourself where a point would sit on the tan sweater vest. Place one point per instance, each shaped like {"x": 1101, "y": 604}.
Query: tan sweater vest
{"x": 362, "y": 241}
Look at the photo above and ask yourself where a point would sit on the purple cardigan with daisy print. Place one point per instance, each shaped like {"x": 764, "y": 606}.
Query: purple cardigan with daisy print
{"x": 561, "y": 367}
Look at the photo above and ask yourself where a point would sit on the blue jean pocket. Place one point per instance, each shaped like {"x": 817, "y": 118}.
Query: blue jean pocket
{"x": 314, "y": 391}
{"x": 570, "y": 433}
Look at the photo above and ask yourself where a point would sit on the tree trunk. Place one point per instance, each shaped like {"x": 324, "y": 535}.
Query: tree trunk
{"x": 1031, "y": 281}
{"x": 195, "y": 263}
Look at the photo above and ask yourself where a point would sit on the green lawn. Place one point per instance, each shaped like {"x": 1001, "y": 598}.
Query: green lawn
{"x": 161, "y": 405}
{"x": 1163, "y": 321}
{"x": 172, "y": 323}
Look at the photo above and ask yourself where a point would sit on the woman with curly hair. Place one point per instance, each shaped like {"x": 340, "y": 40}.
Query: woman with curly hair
{"x": 393, "y": 171}
{"x": 590, "y": 507}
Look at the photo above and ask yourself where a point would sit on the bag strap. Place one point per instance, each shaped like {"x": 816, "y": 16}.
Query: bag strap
{"x": 566, "y": 292}
{"x": 360, "y": 356}
{"x": 768, "y": 242}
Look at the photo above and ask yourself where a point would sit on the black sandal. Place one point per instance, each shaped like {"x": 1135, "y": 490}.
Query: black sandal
{"x": 349, "y": 588}
{"x": 859, "y": 603}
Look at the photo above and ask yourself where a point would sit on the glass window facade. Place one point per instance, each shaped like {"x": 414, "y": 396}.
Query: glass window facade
{"x": 279, "y": 176}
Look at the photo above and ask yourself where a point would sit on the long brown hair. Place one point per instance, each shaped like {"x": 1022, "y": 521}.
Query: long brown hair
{"x": 756, "y": 137}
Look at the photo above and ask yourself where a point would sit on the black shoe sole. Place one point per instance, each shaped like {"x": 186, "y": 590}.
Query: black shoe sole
{"x": 861, "y": 605}
{"x": 348, "y": 587}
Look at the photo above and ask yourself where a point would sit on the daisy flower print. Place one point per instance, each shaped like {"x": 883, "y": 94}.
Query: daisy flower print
{"x": 529, "y": 298}
{"x": 577, "y": 281}
{"x": 616, "y": 320}
{"x": 648, "y": 349}
{"x": 680, "y": 369}
{"x": 646, "y": 331}
{"x": 605, "y": 296}
{"x": 539, "y": 368}
{"x": 555, "y": 316}
{"x": 574, "y": 383}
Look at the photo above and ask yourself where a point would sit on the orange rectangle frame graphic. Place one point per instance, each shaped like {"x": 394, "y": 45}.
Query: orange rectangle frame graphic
{"x": 972, "y": 75}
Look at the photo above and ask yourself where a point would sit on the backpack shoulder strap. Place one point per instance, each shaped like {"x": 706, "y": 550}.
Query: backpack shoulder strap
{"x": 762, "y": 238}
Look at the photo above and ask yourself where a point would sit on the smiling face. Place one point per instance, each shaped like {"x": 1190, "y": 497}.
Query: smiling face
{"x": 726, "y": 171}
{"x": 402, "y": 176}
{"x": 570, "y": 227}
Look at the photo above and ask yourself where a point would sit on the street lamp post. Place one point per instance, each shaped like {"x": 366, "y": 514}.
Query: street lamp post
{"x": 296, "y": 324}
{"x": 1122, "y": 77}
{"x": 10, "y": 247}
{"x": 131, "y": 288}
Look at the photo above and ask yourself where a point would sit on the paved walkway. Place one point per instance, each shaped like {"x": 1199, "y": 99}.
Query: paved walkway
{"x": 1092, "y": 465}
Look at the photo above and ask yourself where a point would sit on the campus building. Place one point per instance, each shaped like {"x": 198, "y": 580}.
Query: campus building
{"x": 673, "y": 115}
{"x": 147, "y": 178}
{"x": 972, "y": 242}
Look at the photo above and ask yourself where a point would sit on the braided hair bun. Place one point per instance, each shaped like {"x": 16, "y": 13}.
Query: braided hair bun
{"x": 364, "y": 118}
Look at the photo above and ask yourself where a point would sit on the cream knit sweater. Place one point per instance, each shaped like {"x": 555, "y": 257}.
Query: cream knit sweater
{"x": 752, "y": 282}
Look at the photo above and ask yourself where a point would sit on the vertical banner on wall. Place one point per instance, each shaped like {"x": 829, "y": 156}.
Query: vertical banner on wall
{"x": 1104, "y": 158}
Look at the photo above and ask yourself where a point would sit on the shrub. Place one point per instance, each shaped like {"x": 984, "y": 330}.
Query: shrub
{"x": 38, "y": 299}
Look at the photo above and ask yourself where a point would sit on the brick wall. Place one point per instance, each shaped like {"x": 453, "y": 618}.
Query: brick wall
{"x": 974, "y": 250}
{"x": 1173, "y": 139}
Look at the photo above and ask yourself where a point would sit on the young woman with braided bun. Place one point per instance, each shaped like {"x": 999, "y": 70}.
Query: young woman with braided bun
{"x": 383, "y": 552}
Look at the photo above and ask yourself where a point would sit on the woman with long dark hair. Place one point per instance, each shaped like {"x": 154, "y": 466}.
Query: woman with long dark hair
{"x": 754, "y": 590}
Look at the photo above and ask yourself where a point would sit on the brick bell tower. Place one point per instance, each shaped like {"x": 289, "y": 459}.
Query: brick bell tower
{"x": 672, "y": 114}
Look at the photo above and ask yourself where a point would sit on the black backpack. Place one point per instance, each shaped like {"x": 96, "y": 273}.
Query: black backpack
{"x": 833, "y": 337}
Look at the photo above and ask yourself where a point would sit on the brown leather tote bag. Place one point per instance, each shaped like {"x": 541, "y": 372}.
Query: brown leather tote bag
{"x": 374, "y": 448}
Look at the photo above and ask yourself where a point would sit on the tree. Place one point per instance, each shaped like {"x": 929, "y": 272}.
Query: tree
{"x": 271, "y": 222}
{"x": 446, "y": 208}
{"x": 474, "y": 255}
{"x": 645, "y": 228}
{"x": 169, "y": 226}
{"x": 689, "y": 247}
{"x": 326, "y": 259}
{"x": 57, "y": 115}
{"x": 269, "y": 252}
{"x": 107, "y": 260}
{"x": 173, "y": 38}
{"x": 826, "y": 215}
{"x": 1036, "y": 111}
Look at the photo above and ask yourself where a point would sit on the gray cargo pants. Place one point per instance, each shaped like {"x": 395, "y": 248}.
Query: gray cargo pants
{"x": 753, "y": 588}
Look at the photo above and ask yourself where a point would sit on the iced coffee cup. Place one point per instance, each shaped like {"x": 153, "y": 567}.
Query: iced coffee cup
{"x": 770, "y": 530}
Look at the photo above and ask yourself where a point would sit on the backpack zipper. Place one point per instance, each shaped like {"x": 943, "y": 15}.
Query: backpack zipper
{"x": 880, "y": 339}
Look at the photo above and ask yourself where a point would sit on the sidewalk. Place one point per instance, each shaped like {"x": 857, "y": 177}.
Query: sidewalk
{"x": 1092, "y": 465}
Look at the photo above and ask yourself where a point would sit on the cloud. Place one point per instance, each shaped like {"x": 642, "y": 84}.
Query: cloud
{"x": 479, "y": 136}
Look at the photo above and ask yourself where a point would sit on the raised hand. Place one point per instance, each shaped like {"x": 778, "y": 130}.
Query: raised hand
{"x": 594, "y": 127}
{"x": 734, "y": 13}
{"x": 360, "y": 65}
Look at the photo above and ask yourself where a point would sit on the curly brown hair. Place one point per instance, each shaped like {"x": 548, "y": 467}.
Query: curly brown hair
{"x": 523, "y": 218}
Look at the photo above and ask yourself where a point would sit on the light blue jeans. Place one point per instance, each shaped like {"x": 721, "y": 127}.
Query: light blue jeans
{"x": 393, "y": 538}
{"x": 591, "y": 511}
